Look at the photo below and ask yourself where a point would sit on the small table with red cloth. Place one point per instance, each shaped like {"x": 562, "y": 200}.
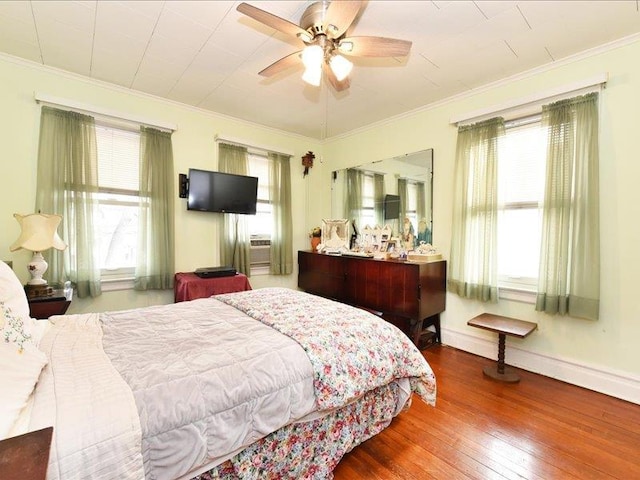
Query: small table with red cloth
{"x": 189, "y": 286}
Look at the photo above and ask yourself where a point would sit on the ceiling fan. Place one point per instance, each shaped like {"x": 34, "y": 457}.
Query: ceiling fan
{"x": 322, "y": 29}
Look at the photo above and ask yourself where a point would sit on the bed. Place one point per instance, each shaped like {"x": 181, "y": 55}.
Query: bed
{"x": 268, "y": 383}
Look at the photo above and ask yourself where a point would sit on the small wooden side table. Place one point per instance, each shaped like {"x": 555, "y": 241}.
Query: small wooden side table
{"x": 503, "y": 326}
{"x": 56, "y": 304}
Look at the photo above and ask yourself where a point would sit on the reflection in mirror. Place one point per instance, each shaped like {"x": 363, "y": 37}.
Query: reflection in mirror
{"x": 395, "y": 191}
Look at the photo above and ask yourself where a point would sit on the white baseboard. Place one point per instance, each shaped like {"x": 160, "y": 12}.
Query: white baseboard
{"x": 617, "y": 384}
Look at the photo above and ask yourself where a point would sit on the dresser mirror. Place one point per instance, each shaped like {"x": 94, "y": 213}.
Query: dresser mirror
{"x": 395, "y": 191}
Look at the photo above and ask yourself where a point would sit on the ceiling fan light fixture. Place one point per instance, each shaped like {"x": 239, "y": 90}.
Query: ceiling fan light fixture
{"x": 305, "y": 37}
{"x": 312, "y": 75}
{"x": 322, "y": 28}
{"x": 340, "y": 66}
{"x": 345, "y": 47}
{"x": 312, "y": 57}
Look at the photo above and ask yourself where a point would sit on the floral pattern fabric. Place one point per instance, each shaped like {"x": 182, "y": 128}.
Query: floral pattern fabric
{"x": 13, "y": 328}
{"x": 352, "y": 351}
{"x": 311, "y": 450}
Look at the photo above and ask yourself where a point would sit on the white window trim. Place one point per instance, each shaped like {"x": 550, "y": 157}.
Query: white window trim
{"x": 112, "y": 285}
{"x": 117, "y": 279}
{"x": 522, "y": 106}
{"x": 260, "y": 271}
{"x": 106, "y": 113}
{"x": 517, "y": 294}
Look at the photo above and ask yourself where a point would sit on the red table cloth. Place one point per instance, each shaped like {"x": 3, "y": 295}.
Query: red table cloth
{"x": 188, "y": 286}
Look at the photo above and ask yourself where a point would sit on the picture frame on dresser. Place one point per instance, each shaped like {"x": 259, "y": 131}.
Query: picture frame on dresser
{"x": 335, "y": 234}
{"x": 389, "y": 246}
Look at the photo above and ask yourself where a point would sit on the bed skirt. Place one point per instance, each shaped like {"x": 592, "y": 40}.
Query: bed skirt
{"x": 311, "y": 450}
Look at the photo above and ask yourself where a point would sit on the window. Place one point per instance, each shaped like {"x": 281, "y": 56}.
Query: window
{"x": 368, "y": 212}
{"x": 411, "y": 209}
{"x": 260, "y": 224}
{"x": 521, "y": 176}
{"x": 118, "y": 153}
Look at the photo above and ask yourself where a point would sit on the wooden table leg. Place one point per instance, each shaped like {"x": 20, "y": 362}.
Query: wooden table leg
{"x": 502, "y": 340}
{"x": 500, "y": 371}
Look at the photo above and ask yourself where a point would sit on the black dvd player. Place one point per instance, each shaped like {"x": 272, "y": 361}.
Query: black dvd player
{"x": 209, "y": 272}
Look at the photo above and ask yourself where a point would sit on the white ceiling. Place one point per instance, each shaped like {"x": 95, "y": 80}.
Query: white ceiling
{"x": 206, "y": 54}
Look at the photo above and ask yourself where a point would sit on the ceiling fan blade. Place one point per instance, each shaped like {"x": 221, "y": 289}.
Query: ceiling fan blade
{"x": 374, "y": 47}
{"x": 273, "y": 21}
{"x": 339, "y": 17}
{"x": 282, "y": 64}
{"x": 335, "y": 83}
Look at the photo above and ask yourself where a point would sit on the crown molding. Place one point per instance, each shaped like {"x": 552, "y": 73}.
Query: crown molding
{"x": 607, "y": 47}
{"x": 148, "y": 96}
{"x": 461, "y": 96}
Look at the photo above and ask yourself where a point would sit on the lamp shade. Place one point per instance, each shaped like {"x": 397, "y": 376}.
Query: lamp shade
{"x": 38, "y": 232}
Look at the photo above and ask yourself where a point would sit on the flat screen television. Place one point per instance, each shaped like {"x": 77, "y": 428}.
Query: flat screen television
{"x": 222, "y": 192}
{"x": 391, "y": 206}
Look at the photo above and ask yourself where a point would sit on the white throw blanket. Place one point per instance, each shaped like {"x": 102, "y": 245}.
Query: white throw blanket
{"x": 96, "y": 429}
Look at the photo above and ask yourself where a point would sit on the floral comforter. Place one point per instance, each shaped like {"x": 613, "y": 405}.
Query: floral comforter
{"x": 351, "y": 350}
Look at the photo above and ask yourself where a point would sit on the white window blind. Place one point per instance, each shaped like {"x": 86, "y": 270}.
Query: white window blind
{"x": 118, "y": 200}
{"x": 118, "y": 153}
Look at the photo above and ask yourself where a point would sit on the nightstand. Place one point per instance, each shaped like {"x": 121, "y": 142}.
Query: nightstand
{"x": 26, "y": 456}
{"x": 57, "y": 304}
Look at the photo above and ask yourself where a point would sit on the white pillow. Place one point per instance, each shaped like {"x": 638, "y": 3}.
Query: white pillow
{"x": 19, "y": 372}
{"x": 12, "y": 295}
{"x": 12, "y": 291}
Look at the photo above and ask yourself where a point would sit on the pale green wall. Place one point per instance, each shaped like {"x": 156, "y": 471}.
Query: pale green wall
{"x": 612, "y": 342}
{"x": 609, "y": 344}
{"x": 193, "y": 146}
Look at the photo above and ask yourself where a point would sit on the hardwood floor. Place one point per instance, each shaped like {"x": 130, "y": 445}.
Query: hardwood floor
{"x": 481, "y": 429}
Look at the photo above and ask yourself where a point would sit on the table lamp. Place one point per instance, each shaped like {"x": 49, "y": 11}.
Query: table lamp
{"x": 38, "y": 234}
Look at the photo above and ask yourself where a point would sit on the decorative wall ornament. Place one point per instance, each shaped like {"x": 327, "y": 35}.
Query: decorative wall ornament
{"x": 307, "y": 162}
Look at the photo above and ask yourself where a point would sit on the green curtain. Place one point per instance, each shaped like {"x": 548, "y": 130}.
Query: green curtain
{"x": 422, "y": 201}
{"x": 355, "y": 182}
{"x": 281, "y": 252}
{"x": 473, "y": 264}
{"x": 155, "y": 255}
{"x": 569, "y": 276}
{"x": 403, "y": 194}
{"x": 378, "y": 198}
{"x": 235, "y": 247}
{"x": 67, "y": 184}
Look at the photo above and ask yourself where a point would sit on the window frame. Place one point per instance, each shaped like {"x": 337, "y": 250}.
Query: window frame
{"x": 259, "y": 241}
{"x": 520, "y": 288}
{"x": 369, "y": 185}
{"x": 121, "y": 278}
{"x": 411, "y": 209}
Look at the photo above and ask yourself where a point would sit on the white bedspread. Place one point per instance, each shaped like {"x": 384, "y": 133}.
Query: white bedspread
{"x": 207, "y": 380}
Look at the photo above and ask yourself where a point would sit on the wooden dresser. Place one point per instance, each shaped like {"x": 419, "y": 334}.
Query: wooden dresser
{"x": 399, "y": 291}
